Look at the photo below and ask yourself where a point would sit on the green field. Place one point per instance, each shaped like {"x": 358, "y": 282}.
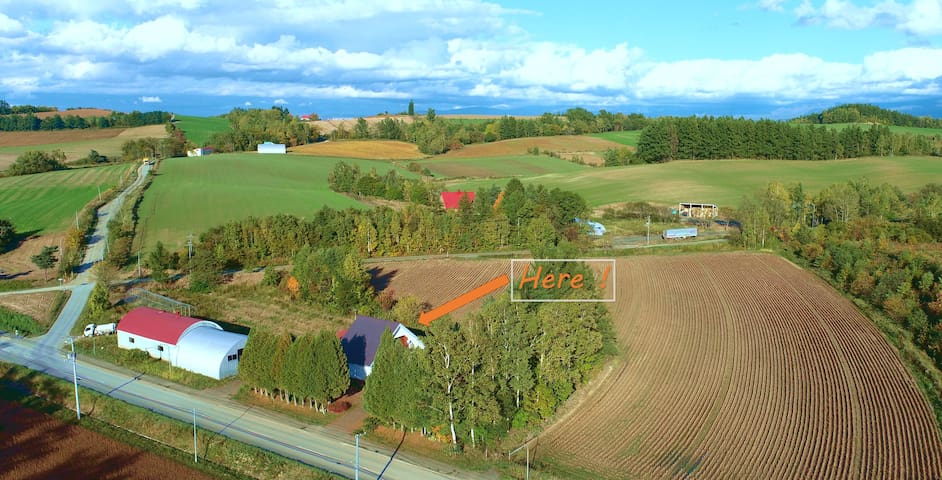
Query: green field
{"x": 629, "y": 138}
{"x": 47, "y": 202}
{"x": 199, "y": 129}
{"x": 724, "y": 182}
{"x": 191, "y": 195}
{"x": 503, "y": 166}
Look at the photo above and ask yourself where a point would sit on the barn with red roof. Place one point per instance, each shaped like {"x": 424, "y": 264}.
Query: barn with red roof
{"x": 200, "y": 346}
{"x": 452, "y": 200}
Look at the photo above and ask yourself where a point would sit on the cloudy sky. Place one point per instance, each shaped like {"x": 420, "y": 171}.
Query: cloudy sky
{"x": 467, "y": 55}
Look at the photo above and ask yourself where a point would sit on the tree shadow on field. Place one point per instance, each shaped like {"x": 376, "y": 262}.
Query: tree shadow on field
{"x": 380, "y": 277}
{"x": 19, "y": 239}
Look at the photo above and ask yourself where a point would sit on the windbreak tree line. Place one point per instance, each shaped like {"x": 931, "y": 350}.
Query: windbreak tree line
{"x": 672, "y": 138}
{"x": 532, "y": 217}
{"x": 863, "y": 113}
{"x": 509, "y": 365}
{"x": 18, "y": 122}
{"x": 251, "y": 127}
{"x": 36, "y": 161}
{"x": 434, "y": 134}
{"x": 346, "y": 178}
{"x": 868, "y": 240}
{"x": 308, "y": 370}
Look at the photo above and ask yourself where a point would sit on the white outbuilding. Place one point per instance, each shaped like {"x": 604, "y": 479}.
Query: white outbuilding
{"x": 200, "y": 346}
{"x": 269, "y": 147}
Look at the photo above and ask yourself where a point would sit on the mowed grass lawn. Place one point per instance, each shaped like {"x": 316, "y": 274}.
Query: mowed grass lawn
{"x": 191, "y": 195}
{"x": 502, "y": 166}
{"x": 199, "y": 129}
{"x": 724, "y": 182}
{"x": 629, "y": 138}
{"x": 47, "y": 202}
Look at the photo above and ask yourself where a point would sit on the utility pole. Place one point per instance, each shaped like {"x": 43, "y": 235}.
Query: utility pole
{"x": 189, "y": 244}
{"x": 76, "y": 220}
{"x": 78, "y": 409}
{"x": 99, "y": 193}
{"x": 138, "y": 263}
{"x": 527, "y": 446}
{"x": 647, "y": 223}
{"x": 357, "y": 472}
{"x": 195, "y": 459}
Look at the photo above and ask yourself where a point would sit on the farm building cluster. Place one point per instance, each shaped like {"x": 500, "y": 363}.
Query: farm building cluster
{"x": 698, "y": 210}
{"x": 200, "y": 346}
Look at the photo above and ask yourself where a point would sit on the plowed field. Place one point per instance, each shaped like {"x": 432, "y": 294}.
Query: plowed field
{"x": 368, "y": 149}
{"x": 436, "y": 281}
{"x": 35, "y": 445}
{"x": 744, "y": 366}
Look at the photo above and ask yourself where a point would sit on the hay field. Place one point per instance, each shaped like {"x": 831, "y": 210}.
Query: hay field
{"x": 74, "y": 143}
{"x": 365, "y": 149}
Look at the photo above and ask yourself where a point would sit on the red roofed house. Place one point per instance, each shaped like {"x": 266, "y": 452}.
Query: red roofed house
{"x": 453, "y": 199}
{"x": 192, "y": 344}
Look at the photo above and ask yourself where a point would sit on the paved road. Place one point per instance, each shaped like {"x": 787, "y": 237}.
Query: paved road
{"x": 317, "y": 446}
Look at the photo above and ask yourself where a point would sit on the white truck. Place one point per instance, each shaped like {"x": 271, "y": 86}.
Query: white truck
{"x": 104, "y": 329}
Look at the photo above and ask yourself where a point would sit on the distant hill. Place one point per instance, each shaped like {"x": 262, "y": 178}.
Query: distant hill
{"x": 864, "y": 113}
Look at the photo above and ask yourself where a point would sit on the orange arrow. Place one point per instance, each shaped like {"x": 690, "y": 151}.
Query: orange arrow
{"x": 426, "y": 318}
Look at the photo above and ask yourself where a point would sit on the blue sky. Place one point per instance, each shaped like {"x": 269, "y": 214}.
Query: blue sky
{"x": 755, "y": 57}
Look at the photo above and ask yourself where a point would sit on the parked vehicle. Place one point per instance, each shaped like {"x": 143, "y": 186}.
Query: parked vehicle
{"x": 104, "y": 329}
{"x": 679, "y": 233}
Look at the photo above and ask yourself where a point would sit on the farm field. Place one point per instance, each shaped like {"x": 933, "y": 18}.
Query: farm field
{"x": 191, "y": 195}
{"x": 744, "y": 366}
{"x": 366, "y": 149}
{"x": 893, "y": 128}
{"x": 46, "y": 202}
{"x": 74, "y": 143}
{"x": 588, "y": 148}
{"x": 629, "y": 137}
{"x": 199, "y": 129}
{"x": 35, "y": 445}
{"x": 412, "y": 278}
{"x": 502, "y": 166}
{"x": 724, "y": 182}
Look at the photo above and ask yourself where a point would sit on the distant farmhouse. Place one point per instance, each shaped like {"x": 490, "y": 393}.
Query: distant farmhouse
{"x": 269, "y": 147}
{"x": 452, "y": 200}
{"x": 199, "y": 152}
{"x": 192, "y": 344}
{"x": 361, "y": 340}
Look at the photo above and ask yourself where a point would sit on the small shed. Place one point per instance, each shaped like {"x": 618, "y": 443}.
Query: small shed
{"x": 269, "y": 147}
{"x": 199, "y": 152}
{"x": 200, "y": 346}
{"x": 361, "y": 341}
{"x": 452, "y": 200}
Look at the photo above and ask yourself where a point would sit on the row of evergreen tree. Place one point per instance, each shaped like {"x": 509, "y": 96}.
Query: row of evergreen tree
{"x": 672, "y": 138}
{"x": 507, "y": 365}
{"x": 30, "y": 122}
{"x": 308, "y": 370}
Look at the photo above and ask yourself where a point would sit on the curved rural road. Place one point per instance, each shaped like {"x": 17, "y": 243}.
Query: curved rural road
{"x": 313, "y": 445}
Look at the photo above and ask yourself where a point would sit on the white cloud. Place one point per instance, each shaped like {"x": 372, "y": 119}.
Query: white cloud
{"x": 247, "y": 103}
{"x": 773, "y": 5}
{"x": 9, "y": 25}
{"x": 150, "y": 99}
{"x": 280, "y": 101}
{"x": 920, "y": 18}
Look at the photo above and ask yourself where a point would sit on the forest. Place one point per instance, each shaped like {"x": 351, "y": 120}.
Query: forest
{"x": 863, "y": 113}
{"x": 673, "y": 138}
{"x": 871, "y": 241}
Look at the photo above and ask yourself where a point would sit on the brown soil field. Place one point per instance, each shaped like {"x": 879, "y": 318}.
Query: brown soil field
{"x": 24, "y": 139}
{"x": 36, "y": 305}
{"x": 16, "y": 263}
{"x": 367, "y": 149}
{"x": 455, "y": 277}
{"x": 589, "y": 148}
{"x": 74, "y": 143}
{"x": 744, "y": 366}
{"x": 35, "y": 445}
{"x": 78, "y": 112}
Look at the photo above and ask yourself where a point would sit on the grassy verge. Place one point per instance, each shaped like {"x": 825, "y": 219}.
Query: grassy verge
{"x": 220, "y": 456}
{"x": 13, "y": 285}
{"x": 58, "y": 303}
{"x": 18, "y": 323}
{"x": 105, "y": 348}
